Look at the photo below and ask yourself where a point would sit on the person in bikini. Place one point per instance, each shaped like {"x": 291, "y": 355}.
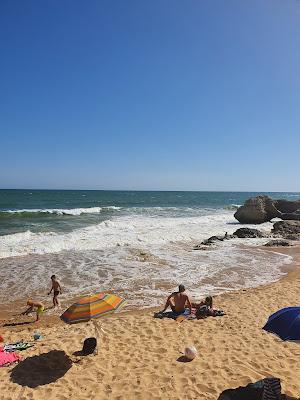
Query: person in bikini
{"x": 56, "y": 290}
{"x": 178, "y": 301}
{"x": 205, "y": 309}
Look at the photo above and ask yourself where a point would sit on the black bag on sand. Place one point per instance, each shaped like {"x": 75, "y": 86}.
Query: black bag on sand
{"x": 89, "y": 346}
{"x": 242, "y": 393}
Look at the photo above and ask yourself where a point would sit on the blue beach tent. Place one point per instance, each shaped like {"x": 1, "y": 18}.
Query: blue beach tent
{"x": 285, "y": 323}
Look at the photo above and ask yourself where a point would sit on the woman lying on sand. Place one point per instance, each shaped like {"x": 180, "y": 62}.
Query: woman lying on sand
{"x": 205, "y": 308}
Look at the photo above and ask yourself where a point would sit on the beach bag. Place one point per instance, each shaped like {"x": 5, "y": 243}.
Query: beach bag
{"x": 89, "y": 346}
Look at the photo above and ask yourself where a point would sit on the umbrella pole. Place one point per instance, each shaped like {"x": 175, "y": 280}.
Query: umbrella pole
{"x": 98, "y": 328}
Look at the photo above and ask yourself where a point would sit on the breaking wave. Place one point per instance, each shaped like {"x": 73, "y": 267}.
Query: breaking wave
{"x": 232, "y": 207}
{"x": 55, "y": 211}
{"x": 130, "y": 230}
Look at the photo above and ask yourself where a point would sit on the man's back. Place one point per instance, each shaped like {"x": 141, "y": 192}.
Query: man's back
{"x": 179, "y": 301}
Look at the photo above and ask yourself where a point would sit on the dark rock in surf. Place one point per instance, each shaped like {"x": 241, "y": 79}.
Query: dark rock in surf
{"x": 292, "y": 237}
{"x": 291, "y": 216}
{"x": 212, "y": 239}
{"x": 279, "y": 242}
{"x": 248, "y": 233}
{"x": 287, "y": 229}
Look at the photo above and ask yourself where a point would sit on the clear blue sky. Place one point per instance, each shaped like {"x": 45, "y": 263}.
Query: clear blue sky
{"x": 136, "y": 94}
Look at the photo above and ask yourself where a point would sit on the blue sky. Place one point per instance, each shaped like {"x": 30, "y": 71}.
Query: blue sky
{"x": 175, "y": 95}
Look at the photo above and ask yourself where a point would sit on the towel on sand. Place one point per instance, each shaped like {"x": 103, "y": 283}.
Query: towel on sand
{"x": 172, "y": 314}
{"x": 18, "y": 346}
{"x": 8, "y": 358}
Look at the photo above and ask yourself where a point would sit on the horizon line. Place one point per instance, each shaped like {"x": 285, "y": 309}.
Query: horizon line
{"x": 156, "y": 190}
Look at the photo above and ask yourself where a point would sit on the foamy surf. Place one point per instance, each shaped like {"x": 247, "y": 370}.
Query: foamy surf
{"x": 59, "y": 211}
{"x": 134, "y": 230}
{"x": 140, "y": 257}
{"x": 144, "y": 278}
{"x": 137, "y": 244}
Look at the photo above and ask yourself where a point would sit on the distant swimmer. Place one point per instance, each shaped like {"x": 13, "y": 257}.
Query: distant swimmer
{"x": 36, "y": 306}
{"x": 56, "y": 290}
{"x": 177, "y": 301}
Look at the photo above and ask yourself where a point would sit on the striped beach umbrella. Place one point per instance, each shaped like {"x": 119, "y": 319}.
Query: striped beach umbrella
{"x": 92, "y": 307}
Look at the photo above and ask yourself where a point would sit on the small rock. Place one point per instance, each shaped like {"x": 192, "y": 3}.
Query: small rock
{"x": 248, "y": 233}
{"x": 212, "y": 239}
{"x": 278, "y": 242}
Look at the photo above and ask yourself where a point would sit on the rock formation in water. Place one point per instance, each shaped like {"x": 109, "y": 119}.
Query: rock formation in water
{"x": 257, "y": 210}
{"x": 287, "y": 229}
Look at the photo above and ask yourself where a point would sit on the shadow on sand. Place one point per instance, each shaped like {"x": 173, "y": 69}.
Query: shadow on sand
{"x": 251, "y": 392}
{"x": 183, "y": 359}
{"x": 41, "y": 370}
{"x": 19, "y": 323}
{"x": 78, "y": 353}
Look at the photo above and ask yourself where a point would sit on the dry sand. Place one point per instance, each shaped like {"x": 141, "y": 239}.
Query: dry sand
{"x": 138, "y": 355}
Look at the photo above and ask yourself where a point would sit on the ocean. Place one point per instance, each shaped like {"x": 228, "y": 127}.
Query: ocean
{"x": 138, "y": 244}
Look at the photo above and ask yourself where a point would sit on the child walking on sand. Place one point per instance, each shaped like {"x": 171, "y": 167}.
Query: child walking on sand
{"x": 56, "y": 290}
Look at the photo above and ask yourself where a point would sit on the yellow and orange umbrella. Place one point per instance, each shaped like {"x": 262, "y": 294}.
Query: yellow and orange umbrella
{"x": 92, "y": 307}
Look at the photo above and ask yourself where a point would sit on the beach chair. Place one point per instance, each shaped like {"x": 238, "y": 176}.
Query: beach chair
{"x": 272, "y": 389}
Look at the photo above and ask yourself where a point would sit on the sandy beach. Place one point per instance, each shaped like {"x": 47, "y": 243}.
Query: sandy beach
{"x": 149, "y": 200}
{"x": 139, "y": 356}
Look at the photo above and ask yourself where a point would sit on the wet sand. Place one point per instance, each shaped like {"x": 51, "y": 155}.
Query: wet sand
{"x": 140, "y": 357}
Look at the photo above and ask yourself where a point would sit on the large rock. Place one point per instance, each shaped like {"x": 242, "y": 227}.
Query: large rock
{"x": 261, "y": 209}
{"x": 287, "y": 206}
{"x": 248, "y": 233}
{"x": 291, "y": 216}
{"x": 287, "y": 229}
{"x": 257, "y": 210}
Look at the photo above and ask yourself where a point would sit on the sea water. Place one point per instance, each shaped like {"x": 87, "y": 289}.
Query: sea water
{"x": 137, "y": 244}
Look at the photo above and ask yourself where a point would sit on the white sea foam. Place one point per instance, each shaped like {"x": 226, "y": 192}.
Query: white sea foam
{"x": 120, "y": 231}
{"x": 62, "y": 211}
{"x": 143, "y": 283}
{"x": 107, "y": 257}
{"x": 232, "y": 206}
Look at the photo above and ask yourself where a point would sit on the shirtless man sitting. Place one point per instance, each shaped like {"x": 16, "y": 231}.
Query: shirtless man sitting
{"x": 177, "y": 301}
